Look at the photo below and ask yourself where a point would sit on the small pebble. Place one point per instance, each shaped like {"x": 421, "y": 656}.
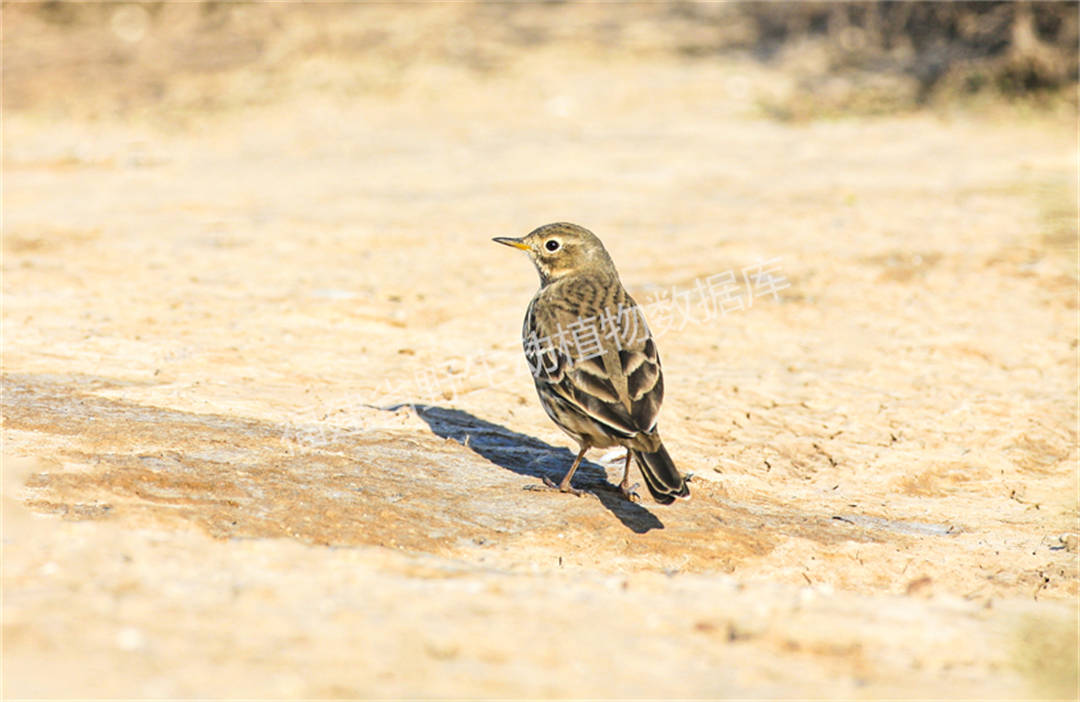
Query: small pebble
{"x": 130, "y": 639}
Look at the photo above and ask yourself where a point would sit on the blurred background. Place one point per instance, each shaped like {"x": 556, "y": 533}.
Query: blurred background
{"x": 829, "y": 58}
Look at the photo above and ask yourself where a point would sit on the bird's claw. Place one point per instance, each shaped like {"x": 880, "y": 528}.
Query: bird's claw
{"x": 550, "y": 484}
{"x": 630, "y": 492}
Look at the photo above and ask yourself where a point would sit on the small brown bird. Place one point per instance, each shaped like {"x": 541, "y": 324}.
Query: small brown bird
{"x": 593, "y": 357}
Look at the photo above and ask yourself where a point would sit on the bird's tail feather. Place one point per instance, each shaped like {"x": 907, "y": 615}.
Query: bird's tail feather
{"x": 661, "y": 476}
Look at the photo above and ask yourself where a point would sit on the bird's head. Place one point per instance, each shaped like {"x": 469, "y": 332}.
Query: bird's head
{"x": 561, "y": 249}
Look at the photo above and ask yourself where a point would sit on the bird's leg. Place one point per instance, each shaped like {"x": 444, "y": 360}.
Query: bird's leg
{"x": 564, "y": 484}
{"x": 625, "y": 487}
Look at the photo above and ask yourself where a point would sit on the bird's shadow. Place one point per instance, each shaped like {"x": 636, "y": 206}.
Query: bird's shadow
{"x": 526, "y": 455}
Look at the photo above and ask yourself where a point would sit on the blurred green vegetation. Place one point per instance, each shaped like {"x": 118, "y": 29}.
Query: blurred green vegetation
{"x": 880, "y": 57}
{"x": 1045, "y": 651}
{"x": 1013, "y": 47}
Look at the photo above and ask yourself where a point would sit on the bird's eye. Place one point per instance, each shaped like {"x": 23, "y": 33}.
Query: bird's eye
{"x": 552, "y": 245}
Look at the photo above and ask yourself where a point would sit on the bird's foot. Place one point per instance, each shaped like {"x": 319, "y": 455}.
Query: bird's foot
{"x": 550, "y": 484}
{"x": 629, "y": 491}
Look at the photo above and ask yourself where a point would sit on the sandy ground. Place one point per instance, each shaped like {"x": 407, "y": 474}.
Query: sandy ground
{"x": 267, "y": 424}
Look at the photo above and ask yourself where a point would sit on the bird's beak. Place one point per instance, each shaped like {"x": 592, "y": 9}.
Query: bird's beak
{"x": 509, "y": 241}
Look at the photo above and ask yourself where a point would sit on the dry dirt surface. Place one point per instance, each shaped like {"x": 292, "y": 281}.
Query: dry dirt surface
{"x": 267, "y": 426}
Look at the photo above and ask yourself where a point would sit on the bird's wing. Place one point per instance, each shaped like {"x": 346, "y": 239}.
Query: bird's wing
{"x": 621, "y": 390}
